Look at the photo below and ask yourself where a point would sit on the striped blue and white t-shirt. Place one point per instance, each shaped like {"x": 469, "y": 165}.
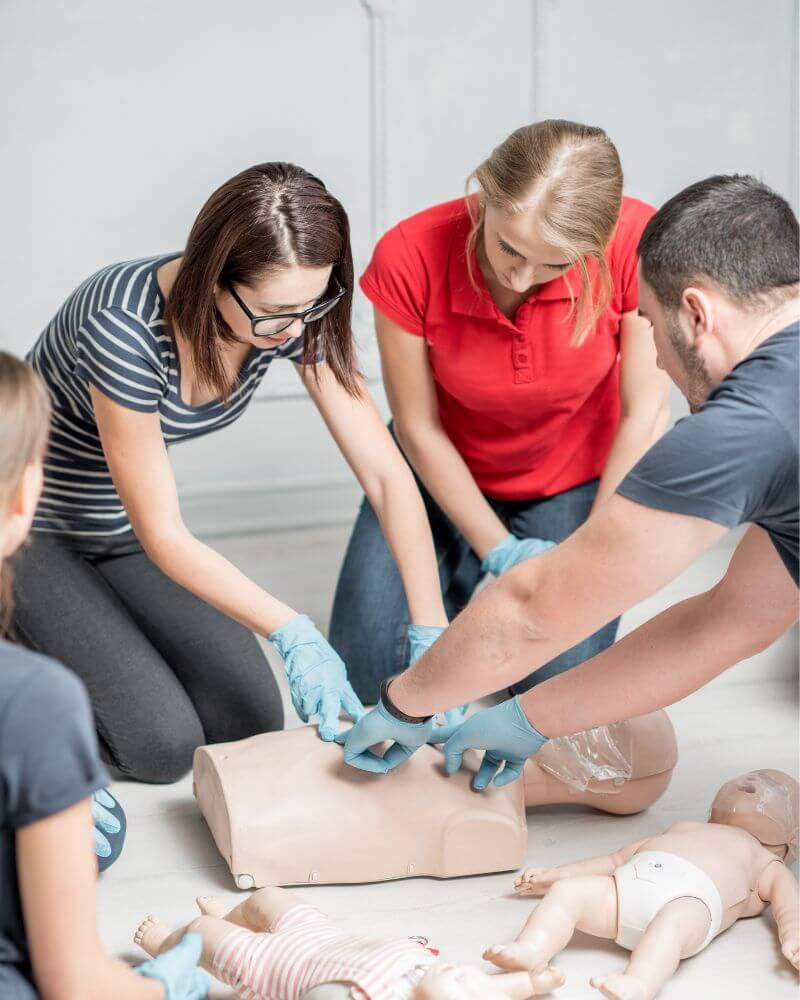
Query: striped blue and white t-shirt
{"x": 111, "y": 333}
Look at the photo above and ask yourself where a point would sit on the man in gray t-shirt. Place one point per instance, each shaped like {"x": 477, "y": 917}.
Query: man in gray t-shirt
{"x": 735, "y": 461}
{"x": 719, "y": 283}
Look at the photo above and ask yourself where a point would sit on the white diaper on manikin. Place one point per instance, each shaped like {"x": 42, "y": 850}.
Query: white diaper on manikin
{"x": 649, "y": 881}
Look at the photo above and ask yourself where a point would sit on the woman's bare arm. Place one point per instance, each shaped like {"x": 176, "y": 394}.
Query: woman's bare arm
{"x": 137, "y": 458}
{"x": 644, "y": 403}
{"x": 57, "y": 874}
{"x": 366, "y": 444}
{"x": 411, "y": 390}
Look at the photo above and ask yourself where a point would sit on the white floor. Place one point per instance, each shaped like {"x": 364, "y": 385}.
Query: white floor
{"x": 746, "y": 719}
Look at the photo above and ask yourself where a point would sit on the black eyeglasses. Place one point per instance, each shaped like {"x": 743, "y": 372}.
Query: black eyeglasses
{"x": 271, "y": 326}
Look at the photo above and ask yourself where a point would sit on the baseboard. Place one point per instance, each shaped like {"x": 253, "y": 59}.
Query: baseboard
{"x": 251, "y": 510}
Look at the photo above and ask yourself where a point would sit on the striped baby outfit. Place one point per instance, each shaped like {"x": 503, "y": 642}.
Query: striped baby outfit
{"x": 305, "y": 949}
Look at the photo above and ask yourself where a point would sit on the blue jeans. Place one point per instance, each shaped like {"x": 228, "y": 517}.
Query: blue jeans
{"x": 370, "y": 613}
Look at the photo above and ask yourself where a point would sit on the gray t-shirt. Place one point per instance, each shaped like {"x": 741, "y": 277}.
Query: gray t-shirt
{"x": 48, "y": 762}
{"x": 735, "y": 460}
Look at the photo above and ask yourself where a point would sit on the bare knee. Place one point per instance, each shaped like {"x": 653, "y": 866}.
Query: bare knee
{"x": 266, "y": 905}
{"x": 564, "y": 892}
{"x": 592, "y": 902}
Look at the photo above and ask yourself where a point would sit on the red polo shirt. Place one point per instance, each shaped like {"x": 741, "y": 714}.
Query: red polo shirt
{"x": 531, "y": 415}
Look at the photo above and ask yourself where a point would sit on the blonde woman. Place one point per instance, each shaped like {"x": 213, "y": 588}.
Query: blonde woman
{"x": 522, "y": 382}
{"x": 49, "y": 770}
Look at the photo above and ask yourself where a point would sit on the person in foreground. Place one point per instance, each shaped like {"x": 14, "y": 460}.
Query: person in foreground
{"x": 49, "y": 772}
{"x": 666, "y": 898}
{"x": 719, "y": 284}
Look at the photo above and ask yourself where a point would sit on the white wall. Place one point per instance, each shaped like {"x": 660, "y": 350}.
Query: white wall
{"x": 119, "y": 120}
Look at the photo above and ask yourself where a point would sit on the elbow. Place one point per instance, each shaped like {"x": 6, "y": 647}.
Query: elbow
{"x": 521, "y": 593}
{"x": 415, "y": 436}
{"x": 406, "y": 439}
{"x": 743, "y": 630}
{"x": 647, "y": 424}
{"x": 160, "y": 541}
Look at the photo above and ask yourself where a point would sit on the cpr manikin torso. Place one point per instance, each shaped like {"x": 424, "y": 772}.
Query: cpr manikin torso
{"x": 284, "y": 808}
{"x": 665, "y": 898}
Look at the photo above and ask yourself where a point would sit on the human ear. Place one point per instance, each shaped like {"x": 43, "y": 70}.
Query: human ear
{"x": 699, "y": 311}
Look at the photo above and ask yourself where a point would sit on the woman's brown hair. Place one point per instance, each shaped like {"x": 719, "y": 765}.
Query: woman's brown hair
{"x": 570, "y": 176}
{"x": 25, "y": 409}
{"x": 269, "y": 216}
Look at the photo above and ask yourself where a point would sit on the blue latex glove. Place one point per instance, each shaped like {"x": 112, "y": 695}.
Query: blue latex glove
{"x": 104, "y": 822}
{"x": 506, "y": 735}
{"x": 513, "y": 550}
{"x": 317, "y": 676}
{"x": 376, "y": 727}
{"x": 177, "y": 970}
{"x": 420, "y": 639}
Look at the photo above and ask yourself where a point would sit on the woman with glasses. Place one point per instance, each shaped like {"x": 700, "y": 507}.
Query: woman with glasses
{"x": 522, "y": 383}
{"x": 146, "y": 354}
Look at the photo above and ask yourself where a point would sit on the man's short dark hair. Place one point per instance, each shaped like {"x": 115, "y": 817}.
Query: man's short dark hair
{"x": 729, "y": 229}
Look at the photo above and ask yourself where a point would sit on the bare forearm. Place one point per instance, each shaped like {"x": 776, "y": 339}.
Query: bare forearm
{"x": 516, "y": 624}
{"x": 659, "y": 663}
{"x": 197, "y": 567}
{"x": 622, "y": 554}
{"x": 452, "y": 486}
{"x": 401, "y": 513}
{"x": 120, "y": 981}
{"x": 634, "y": 437}
{"x": 100, "y": 978}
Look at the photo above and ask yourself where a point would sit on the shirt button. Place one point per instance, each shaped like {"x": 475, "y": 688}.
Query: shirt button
{"x": 520, "y": 336}
{"x": 523, "y": 357}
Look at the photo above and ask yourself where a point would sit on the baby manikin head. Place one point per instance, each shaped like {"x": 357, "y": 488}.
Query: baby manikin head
{"x": 765, "y": 804}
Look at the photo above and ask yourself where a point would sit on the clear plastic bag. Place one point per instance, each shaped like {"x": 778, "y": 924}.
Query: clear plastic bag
{"x": 604, "y": 753}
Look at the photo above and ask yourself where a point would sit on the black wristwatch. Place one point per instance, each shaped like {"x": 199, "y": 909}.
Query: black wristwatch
{"x": 395, "y": 712}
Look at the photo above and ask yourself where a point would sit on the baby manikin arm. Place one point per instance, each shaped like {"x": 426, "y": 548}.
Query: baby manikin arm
{"x": 778, "y": 886}
{"x": 284, "y": 808}
{"x": 603, "y": 864}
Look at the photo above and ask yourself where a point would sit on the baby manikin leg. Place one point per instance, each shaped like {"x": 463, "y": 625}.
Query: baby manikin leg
{"x": 257, "y": 913}
{"x": 156, "y": 938}
{"x": 675, "y": 932}
{"x": 587, "y": 904}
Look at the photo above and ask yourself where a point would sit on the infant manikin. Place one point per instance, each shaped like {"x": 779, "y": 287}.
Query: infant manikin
{"x": 665, "y": 898}
{"x": 284, "y": 808}
{"x": 276, "y": 947}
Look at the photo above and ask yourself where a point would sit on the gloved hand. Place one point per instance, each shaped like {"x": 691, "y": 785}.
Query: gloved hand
{"x": 317, "y": 676}
{"x": 506, "y": 735}
{"x": 513, "y": 550}
{"x": 177, "y": 970}
{"x": 104, "y": 822}
{"x": 375, "y": 727}
{"x": 420, "y": 639}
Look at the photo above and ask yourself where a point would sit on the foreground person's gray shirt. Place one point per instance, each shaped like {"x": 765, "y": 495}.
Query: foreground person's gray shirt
{"x": 48, "y": 762}
{"x": 735, "y": 460}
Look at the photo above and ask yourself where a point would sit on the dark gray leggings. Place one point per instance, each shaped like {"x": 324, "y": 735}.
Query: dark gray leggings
{"x": 165, "y": 672}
